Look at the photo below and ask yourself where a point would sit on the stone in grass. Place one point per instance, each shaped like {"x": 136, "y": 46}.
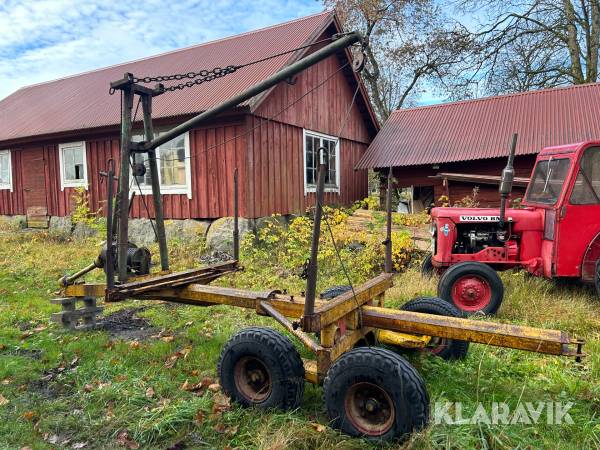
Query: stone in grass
{"x": 219, "y": 237}
{"x": 61, "y": 226}
{"x": 188, "y": 229}
{"x": 83, "y": 231}
{"x": 141, "y": 232}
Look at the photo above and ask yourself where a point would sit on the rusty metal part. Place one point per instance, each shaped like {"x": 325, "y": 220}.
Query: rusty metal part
{"x": 70, "y": 279}
{"x": 402, "y": 339}
{"x": 388, "y": 231}
{"x": 369, "y": 408}
{"x": 311, "y": 272}
{"x": 252, "y": 379}
{"x": 345, "y": 303}
{"x": 110, "y": 232}
{"x": 236, "y": 213}
{"x": 174, "y": 280}
{"x": 303, "y": 337}
{"x": 519, "y": 337}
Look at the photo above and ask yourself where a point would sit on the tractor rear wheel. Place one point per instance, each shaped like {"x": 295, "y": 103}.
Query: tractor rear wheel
{"x": 375, "y": 393}
{"x": 260, "y": 367}
{"x": 427, "y": 269}
{"x": 597, "y": 281}
{"x": 472, "y": 287}
{"x": 444, "y": 348}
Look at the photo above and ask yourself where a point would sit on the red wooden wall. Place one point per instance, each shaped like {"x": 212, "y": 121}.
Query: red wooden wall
{"x": 268, "y": 155}
{"x": 488, "y": 194}
{"x": 276, "y": 159}
{"x": 12, "y": 203}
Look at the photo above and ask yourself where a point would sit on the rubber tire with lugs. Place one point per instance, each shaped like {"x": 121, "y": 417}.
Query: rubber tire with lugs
{"x": 390, "y": 372}
{"x": 277, "y": 354}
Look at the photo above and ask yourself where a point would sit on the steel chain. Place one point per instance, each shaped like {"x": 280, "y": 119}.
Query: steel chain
{"x": 197, "y": 77}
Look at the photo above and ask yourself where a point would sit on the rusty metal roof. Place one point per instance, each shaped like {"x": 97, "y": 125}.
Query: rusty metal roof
{"x": 82, "y": 101}
{"x": 483, "y": 128}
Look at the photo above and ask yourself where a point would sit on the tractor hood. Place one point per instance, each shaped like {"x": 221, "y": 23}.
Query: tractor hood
{"x": 523, "y": 218}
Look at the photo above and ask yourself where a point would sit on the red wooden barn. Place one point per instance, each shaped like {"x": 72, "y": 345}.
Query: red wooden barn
{"x": 448, "y": 149}
{"x": 58, "y": 135}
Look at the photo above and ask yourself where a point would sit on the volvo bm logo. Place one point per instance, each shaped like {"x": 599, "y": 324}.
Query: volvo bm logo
{"x": 480, "y": 218}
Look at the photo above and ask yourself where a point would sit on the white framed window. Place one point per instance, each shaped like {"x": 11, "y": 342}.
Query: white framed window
{"x": 174, "y": 167}
{"x": 312, "y": 142}
{"x": 5, "y": 170}
{"x": 73, "y": 165}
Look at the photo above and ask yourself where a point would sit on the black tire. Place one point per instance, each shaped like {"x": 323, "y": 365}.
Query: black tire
{"x": 396, "y": 388}
{"x": 427, "y": 269}
{"x": 260, "y": 367}
{"x": 334, "y": 291}
{"x": 444, "y": 348}
{"x": 484, "y": 276}
{"x": 597, "y": 280}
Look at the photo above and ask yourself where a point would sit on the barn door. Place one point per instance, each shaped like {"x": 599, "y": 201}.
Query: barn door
{"x": 34, "y": 187}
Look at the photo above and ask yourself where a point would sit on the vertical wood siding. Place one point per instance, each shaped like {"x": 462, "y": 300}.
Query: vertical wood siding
{"x": 276, "y": 171}
{"x": 12, "y": 203}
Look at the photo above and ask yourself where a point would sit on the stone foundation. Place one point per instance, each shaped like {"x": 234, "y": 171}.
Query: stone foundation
{"x": 217, "y": 233}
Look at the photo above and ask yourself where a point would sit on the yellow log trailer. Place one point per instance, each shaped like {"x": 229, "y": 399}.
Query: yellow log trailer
{"x": 369, "y": 391}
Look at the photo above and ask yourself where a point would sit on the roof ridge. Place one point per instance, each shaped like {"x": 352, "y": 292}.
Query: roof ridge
{"x": 496, "y": 97}
{"x": 169, "y": 52}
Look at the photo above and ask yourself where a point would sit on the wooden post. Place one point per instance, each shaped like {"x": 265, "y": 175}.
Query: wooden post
{"x": 156, "y": 197}
{"x": 122, "y": 238}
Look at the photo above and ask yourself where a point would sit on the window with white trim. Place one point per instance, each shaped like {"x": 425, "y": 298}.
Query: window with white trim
{"x": 5, "y": 170}
{"x": 73, "y": 165}
{"x": 312, "y": 142}
{"x": 173, "y": 160}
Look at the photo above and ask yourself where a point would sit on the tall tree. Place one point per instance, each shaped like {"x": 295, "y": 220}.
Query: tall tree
{"x": 533, "y": 44}
{"x": 410, "y": 43}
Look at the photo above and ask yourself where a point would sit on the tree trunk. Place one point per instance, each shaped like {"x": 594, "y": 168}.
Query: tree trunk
{"x": 573, "y": 44}
{"x": 592, "y": 64}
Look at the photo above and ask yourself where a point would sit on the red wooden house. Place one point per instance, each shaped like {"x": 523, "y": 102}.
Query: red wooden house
{"x": 58, "y": 135}
{"x": 448, "y": 149}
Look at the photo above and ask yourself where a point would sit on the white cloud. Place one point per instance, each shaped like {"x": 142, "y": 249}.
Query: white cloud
{"x": 42, "y": 40}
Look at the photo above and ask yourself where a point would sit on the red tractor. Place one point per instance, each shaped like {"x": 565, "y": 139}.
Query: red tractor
{"x": 554, "y": 234}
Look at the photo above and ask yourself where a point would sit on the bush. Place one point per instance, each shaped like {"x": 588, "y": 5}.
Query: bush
{"x": 277, "y": 254}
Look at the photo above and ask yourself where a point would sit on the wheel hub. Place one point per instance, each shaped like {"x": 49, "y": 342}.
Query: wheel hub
{"x": 471, "y": 293}
{"x": 369, "y": 408}
{"x": 252, "y": 379}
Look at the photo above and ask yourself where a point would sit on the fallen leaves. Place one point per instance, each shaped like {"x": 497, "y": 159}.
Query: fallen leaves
{"x": 172, "y": 360}
{"x": 134, "y": 345}
{"x": 149, "y": 392}
{"x": 319, "y": 428}
{"x": 201, "y": 387}
{"x": 124, "y": 440}
{"x": 3, "y": 400}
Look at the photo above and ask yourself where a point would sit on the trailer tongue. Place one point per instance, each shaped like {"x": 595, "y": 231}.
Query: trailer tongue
{"x": 368, "y": 391}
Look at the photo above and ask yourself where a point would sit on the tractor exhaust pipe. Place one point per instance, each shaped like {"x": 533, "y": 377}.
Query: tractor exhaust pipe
{"x": 506, "y": 184}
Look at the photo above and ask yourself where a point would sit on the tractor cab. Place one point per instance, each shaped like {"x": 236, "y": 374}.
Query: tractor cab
{"x": 566, "y": 184}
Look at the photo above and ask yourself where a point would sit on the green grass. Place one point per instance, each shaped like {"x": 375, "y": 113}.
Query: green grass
{"x": 89, "y": 387}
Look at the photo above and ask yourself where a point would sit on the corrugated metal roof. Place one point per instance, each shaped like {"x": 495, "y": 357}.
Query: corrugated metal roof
{"x": 82, "y": 101}
{"x": 483, "y": 128}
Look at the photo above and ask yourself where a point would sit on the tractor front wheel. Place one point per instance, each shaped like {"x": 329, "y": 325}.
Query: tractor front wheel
{"x": 472, "y": 287}
{"x": 444, "y": 348}
{"x": 260, "y": 367}
{"x": 375, "y": 393}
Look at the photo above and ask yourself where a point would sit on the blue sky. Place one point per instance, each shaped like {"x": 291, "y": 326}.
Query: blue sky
{"x": 43, "y": 40}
